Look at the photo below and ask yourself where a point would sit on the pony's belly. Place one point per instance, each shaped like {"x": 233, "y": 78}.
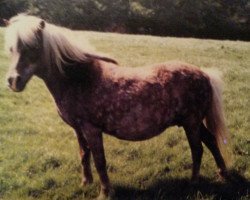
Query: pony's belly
{"x": 136, "y": 130}
{"x": 136, "y": 135}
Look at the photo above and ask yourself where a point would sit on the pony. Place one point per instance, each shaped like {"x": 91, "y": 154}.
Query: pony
{"x": 94, "y": 94}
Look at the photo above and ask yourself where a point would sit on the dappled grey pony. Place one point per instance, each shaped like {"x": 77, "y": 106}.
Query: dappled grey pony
{"x": 94, "y": 95}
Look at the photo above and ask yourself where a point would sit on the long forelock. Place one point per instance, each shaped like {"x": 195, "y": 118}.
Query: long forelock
{"x": 21, "y": 28}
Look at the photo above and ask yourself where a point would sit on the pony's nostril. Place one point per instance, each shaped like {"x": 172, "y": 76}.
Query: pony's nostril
{"x": 10, "y": 80}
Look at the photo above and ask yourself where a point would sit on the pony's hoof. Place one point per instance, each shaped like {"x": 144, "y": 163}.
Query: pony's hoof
{"x": 223, "y": 174}
{"x": 87, "y": 181}
{"x": 103, "y": 196}
{"x": 106, "y": 194}
{"x": 195, "y": 180}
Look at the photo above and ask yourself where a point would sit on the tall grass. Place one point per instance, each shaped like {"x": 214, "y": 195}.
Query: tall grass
{"x": 39, "y": 153}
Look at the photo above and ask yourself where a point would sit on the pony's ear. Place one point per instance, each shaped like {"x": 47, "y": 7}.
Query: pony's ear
{"x": 42, "y": 24}
{"x": 6, "y": 22}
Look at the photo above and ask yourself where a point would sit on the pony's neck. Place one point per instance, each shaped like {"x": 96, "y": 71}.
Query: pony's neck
{"x": 77, "y": 76}
{"x": 55, "y": 82}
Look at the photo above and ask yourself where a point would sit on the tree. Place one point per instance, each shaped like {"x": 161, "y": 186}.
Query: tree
{"x": 8, "y": 8}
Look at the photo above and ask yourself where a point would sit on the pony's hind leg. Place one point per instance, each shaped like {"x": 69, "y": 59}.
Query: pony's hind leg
{"x": 210, "y": 141}
{"x": 85, "y": 158}
{"x": 194, "y": 139}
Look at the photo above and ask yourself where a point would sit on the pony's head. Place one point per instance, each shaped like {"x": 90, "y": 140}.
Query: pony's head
{"x": 38, "y": 48}
{"x": 23, "y": 40}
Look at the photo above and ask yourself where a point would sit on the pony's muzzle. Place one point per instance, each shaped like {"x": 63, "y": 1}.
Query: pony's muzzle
{"x": 15, "y": 83}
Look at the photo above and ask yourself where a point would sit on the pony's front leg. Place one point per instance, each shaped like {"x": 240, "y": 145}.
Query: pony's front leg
{"x": 85, "y": 157}
{"x": 95, "y": 142}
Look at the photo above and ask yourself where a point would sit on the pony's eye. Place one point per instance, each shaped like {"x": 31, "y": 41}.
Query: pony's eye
{"x": 11, "y": 49}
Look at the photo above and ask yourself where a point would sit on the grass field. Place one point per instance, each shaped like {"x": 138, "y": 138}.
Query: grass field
{"x": 39, "y": 153}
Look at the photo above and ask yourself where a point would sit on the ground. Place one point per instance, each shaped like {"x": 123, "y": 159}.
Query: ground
{"x": 39, "y": 153}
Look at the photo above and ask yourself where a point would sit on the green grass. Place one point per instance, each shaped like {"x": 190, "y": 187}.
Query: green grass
{"x": 39, "y": 153}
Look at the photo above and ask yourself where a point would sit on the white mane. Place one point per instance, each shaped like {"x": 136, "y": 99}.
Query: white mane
{"x": 58, "y": 42}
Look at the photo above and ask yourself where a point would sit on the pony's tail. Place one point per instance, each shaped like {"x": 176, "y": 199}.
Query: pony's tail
{"x": 215, "y": 120}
